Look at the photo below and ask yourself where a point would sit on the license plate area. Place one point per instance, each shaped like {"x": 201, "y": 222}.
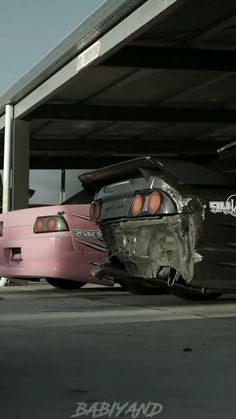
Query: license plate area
{"x": 15, "y": 254}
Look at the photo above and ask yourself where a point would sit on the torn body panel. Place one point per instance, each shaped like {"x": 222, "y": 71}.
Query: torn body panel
{"x": 146, "y": 246}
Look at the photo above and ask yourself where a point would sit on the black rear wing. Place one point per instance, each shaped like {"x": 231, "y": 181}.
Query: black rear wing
{"x": 109, "y": 174}
{"x": 175, "y": 171}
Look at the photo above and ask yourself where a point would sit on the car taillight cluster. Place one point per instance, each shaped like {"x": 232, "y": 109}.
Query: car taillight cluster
{"x": 95, "y": 211}
{"x": 146, "y": 203}
{"x": 50, "y": 224}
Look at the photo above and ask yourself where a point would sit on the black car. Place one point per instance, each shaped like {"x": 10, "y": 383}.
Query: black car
{"x": 168, "y": 224}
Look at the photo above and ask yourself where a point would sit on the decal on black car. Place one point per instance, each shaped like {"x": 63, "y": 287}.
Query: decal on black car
{"x": 227, "y": 207}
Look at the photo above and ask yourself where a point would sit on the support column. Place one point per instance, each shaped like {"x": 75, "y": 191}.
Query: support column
{"x": 7, "y": 158}
{"x": 20, "y": 169}
{"x": 63, "y": 186}
{"x": 6, "y": 183}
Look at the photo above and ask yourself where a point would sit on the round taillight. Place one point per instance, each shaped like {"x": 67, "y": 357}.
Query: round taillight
{"x": 39, "y": 226}
{"x": 137, "y": 205}
{"x": 97, "y": 211}
{"x": 52, "y": 224}
{"x": 154, "y": 202}
{"x": 92, "y": 211}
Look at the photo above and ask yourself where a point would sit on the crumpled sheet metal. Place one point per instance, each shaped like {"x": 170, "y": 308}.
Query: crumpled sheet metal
{"x": 146, "y": 245}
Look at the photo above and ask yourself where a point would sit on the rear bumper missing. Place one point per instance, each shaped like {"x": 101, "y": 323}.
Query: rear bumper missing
{"x": 145, "y": 246}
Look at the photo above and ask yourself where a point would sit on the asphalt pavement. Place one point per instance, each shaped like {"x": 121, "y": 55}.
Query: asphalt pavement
{"x": 101, "y": 352}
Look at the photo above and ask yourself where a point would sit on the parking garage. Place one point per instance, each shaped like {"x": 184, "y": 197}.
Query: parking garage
{"x": 136, "y": 77}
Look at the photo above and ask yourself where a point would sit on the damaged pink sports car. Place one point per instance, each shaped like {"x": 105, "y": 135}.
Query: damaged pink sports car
{"x": 57, "y": 243}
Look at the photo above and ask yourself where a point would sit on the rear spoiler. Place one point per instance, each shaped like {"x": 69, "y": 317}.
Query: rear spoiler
{"x": 175, "y": 171}
{"x": 227, "y": 149}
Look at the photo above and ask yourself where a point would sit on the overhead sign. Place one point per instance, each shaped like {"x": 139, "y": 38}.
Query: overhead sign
{"x": 89, "y": 55}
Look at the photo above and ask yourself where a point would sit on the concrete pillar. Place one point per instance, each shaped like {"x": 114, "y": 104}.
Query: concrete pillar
{"x": 6, "y": 204}
{"x": 20, "y": 165}
{"x": 7, "y": 163}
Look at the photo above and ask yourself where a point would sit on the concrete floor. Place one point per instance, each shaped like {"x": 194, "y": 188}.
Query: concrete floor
{"x": 61, "y": 348}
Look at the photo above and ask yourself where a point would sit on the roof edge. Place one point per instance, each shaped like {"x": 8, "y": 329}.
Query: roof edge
{"x": 105, "y": 17}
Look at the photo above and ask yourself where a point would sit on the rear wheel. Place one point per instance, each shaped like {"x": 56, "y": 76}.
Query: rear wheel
{"x": 188, "y": 293}
{"x": 65, "y": 284}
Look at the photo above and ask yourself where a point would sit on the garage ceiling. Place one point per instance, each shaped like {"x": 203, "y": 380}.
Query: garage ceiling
{"x": 170, "y": 91}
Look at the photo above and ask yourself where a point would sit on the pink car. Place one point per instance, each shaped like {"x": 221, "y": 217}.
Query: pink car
{"x": 58, "y": 243}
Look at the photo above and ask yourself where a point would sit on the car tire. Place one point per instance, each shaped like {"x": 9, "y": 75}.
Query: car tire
{"x": 65, "y": 284}
{"x": 188, "y": 293}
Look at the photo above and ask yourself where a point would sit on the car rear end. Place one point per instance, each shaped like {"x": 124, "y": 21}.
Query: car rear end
{"x": 149, "y": 222}
{"x": 51, "y": 242}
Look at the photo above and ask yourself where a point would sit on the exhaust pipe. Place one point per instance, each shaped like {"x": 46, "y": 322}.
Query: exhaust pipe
{"x": 106, "y": 270}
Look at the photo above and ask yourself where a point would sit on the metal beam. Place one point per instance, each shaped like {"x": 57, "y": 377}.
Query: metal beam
{"x": 98, "y": 23}
{"x": 100, "y": 146}
{"x": 133, "y": 77}
{"x": 213, "y": 30}
{"x": 209, "y": 81}
{"x": 73, "y": 162}
{"x": 173, "y": 58}
{"x": 134, "y": 113}
{"x": 101, "y": 161}
{"x": 132, "y": 26}
{"x": 121, "y": 147}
